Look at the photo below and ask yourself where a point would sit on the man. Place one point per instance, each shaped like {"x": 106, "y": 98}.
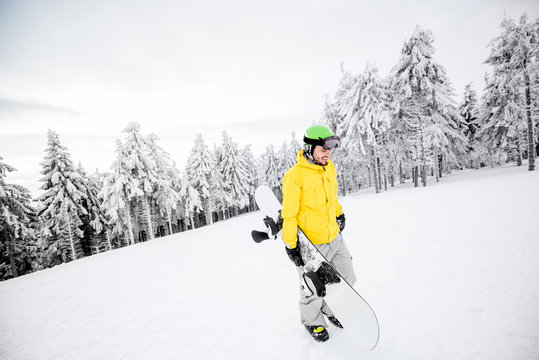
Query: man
{"x": 310, "y": 202}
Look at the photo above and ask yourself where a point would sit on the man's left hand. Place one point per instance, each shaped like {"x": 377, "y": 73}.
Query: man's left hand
{"x": 341, "y": 221}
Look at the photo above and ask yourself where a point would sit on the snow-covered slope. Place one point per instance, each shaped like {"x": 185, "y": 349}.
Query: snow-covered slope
{"x": 451, "y": 271}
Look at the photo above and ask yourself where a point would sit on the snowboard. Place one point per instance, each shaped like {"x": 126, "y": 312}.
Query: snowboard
{"x": 359, "y": 321}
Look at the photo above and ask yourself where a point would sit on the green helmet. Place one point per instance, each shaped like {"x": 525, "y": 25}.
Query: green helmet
{"x": 322, "y": 136}
{"x": 318, "y": 132}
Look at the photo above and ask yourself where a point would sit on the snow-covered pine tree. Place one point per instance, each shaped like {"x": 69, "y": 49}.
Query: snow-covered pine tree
{"x": 285, "y": 158}
{"x": 167, "y": 196}
{"x": 201, "y": 174}
{"x": 535, "y": 109}
{"x": 499, "y": 120}
{"x": 412, "y": 124}
{"x": 333, "y": 113}
{"x": 330, "y": 113}
{"x": 348, "y": 114}
{"x": 397, "y": 139}
{"x": 260, "y": 168}
{"x": 233, "y": 174}
{"x": 246, "y": 177}
{"x": 514, "y": 56}
{"x": 61, "y": 205}
{"x": 423, "y": 98}
{"x": 350, "y": 157}
{"x": 95, "y": 223}
{"x": 294, "y": 148}
{"x": 366, "y": 119}
{"x": 346, "y": 167}
{"x": 100, "y": 222}
{"x": 394, "y": 157}
{"x": 221, "y": 197}
{"x": 164, "y": 194}
{"x": 191, "y": 200}
{"x": 270, "y": 173}
{"x": 118, "y": 192}
{"x": 143, "y": 169}
{"x": 468, "y": 111}
{"x": 250, "y": 182}
{"x": 176, "y": 214}
{"x": 17, "y": 235}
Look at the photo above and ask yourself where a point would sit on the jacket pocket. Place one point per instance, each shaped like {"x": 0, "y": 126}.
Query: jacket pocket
{"x": 311, "y": 196}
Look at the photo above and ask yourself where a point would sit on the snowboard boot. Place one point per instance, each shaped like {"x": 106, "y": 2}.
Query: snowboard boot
{"x": 335, "y": 322}
{"x": 319, "y": 333}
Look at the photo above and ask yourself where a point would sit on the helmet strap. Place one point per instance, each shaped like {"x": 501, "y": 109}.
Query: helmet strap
{"x": 309, "y": 149}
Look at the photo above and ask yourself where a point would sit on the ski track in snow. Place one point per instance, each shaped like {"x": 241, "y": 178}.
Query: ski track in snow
{"x": 451, "y": 271}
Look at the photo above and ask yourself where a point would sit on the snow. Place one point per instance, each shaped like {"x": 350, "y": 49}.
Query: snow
{"x": 450, "y": 269}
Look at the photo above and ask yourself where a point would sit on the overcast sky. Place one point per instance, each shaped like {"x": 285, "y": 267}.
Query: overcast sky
{"x": 258, "y": 69}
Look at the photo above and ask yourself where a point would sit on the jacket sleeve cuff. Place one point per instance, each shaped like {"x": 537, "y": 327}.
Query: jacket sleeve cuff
{"x": 291, "y": 244}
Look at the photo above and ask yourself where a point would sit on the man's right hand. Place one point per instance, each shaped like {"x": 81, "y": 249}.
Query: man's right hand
{"x": 295, "y": 255}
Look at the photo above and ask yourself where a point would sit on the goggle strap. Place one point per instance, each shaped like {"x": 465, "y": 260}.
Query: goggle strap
{"x": 309, "y": 141}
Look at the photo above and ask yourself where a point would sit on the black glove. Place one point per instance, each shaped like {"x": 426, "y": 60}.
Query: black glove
{"x": 295, "y": 255}
{"x": 327, "y": 274}
{"x": 341, "y": 221}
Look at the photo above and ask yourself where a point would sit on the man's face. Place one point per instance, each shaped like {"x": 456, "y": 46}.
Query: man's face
{"x": 321, "y": 155}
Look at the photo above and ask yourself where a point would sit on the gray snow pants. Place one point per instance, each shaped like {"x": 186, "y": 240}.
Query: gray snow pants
{"x": 313, "y": 308}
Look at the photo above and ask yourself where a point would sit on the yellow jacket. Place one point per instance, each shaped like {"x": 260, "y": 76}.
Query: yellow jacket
{"x": 310, "y": 202}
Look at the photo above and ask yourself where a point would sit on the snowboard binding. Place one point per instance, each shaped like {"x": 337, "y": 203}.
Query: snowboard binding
{"x": 314, "y": 282}
{"x": 272, "y": 229}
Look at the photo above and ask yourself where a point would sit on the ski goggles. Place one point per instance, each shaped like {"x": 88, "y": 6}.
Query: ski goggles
{"x": 328, "y": 143}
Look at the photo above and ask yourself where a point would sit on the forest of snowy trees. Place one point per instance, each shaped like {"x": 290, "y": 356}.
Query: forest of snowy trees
{"x": 405, "y": 126}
